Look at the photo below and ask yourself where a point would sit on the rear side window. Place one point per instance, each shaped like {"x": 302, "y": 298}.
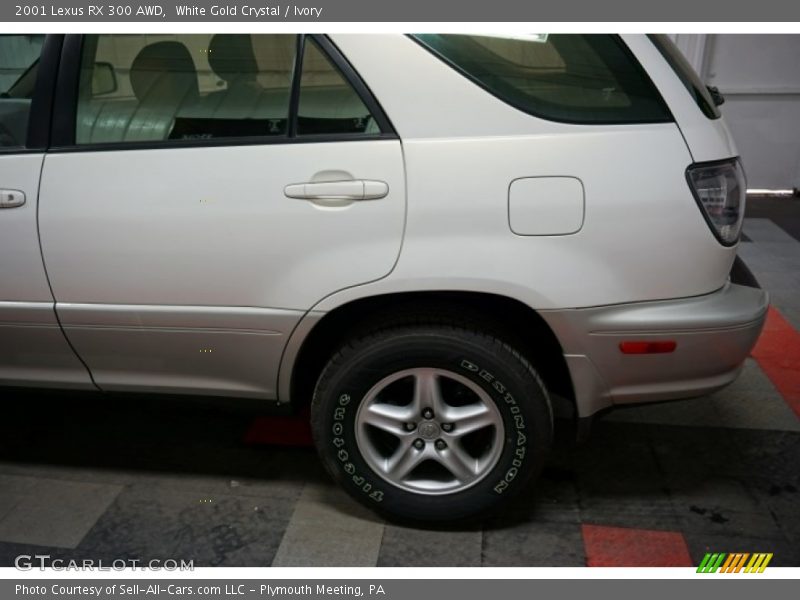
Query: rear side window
{"x": 687, "y": 75}
{"x": 183, "y": 87}
{"x": 328, "y": 103}
{"x": 591, "y": 79}
{"x": 156, "y": 88}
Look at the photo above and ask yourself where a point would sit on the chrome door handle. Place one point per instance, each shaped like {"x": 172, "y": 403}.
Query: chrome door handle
{"x": 11, "y": 198}
{"x": 352, "y": 189}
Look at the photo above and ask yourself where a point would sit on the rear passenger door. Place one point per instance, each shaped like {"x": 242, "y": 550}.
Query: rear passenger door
{"x": 203, "y": 193}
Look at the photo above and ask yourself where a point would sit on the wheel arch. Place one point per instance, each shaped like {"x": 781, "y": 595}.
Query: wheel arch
{"x": 319, "y": 334}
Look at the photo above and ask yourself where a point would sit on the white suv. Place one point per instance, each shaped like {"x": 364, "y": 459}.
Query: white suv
{"x": 436, "y": 241}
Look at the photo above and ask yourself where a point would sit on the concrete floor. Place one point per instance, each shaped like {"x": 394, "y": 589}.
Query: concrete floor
{"x": 84, "y": 476}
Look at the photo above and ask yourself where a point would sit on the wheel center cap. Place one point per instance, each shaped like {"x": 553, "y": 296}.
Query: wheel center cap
{"x": 429, "y": 430}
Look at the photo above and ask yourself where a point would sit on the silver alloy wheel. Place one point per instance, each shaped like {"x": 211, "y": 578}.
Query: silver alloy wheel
{"x": 429, "y": 429}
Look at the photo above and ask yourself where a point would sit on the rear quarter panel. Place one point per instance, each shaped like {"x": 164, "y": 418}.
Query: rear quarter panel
{"x": 643, "y": 236}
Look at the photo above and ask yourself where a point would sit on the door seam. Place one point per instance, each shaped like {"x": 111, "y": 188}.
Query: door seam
{"x": 47, "y": 277}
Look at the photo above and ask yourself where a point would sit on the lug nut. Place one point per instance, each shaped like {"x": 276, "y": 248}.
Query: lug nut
{"x": 419, "y": 444}
{"x": 411, "y": 426}
{"x": 447, "y": 427}
{"x": 440, "y": 445}
{"x": 427, "y": 413}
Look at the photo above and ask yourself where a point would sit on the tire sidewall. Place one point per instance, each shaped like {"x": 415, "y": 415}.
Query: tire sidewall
{"x": 508, "y": 380}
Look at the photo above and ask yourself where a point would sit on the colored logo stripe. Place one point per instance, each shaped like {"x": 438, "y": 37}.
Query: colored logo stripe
{"x": 734, "y": 563}
{"x": 710, "y": 563}
{"x": 758, "y": 563}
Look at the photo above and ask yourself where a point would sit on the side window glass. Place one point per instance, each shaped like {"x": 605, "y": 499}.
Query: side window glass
{"x": 328, "y": 104}
{"x": 589, "y": 79}
{"x": 184, "y": 87}
{"x": 19, "y": 58}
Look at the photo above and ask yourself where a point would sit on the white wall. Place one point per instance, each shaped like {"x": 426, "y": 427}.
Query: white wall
{"x": 759, "y": 76}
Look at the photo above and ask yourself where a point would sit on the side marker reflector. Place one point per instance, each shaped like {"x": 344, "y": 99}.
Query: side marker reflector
{"x": 638, "y": 347}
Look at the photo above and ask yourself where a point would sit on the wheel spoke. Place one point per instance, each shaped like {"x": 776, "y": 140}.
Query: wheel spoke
{"x": 387, "y": 418}
{"x": 403, "y": 461}
{"x": 427, "y": 393}
{"x": 460, "y": 464}
{"x": 468, "y": 419}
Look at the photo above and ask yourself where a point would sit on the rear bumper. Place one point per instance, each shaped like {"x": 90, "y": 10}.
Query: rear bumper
{"x": 713, "y": 334}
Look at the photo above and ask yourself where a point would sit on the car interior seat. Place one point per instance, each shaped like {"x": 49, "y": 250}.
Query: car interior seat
{"x": 256, "y": 94}
{"x": 163, "y": 78}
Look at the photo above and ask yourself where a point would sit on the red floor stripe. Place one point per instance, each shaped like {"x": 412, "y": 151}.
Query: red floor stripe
{"x": 778, "y": 354}
{"x": 280, "y": 431}
{"x": 624, "y": 547}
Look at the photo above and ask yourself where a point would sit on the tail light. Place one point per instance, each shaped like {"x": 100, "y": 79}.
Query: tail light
{"x": 720, "y": 189}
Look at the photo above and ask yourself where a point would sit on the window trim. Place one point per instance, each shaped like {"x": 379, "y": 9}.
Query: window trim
{"x": 690, "y": 80}
{"x": 297, "y": 76}
{"x": 62, "y": 132}
{"x": 528, "y": 111}
{"x": 37, "y": 136}
{"x": 65, "y": 109}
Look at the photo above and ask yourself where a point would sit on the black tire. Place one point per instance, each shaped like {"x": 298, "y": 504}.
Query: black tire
{"x": 508, "y": 379}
